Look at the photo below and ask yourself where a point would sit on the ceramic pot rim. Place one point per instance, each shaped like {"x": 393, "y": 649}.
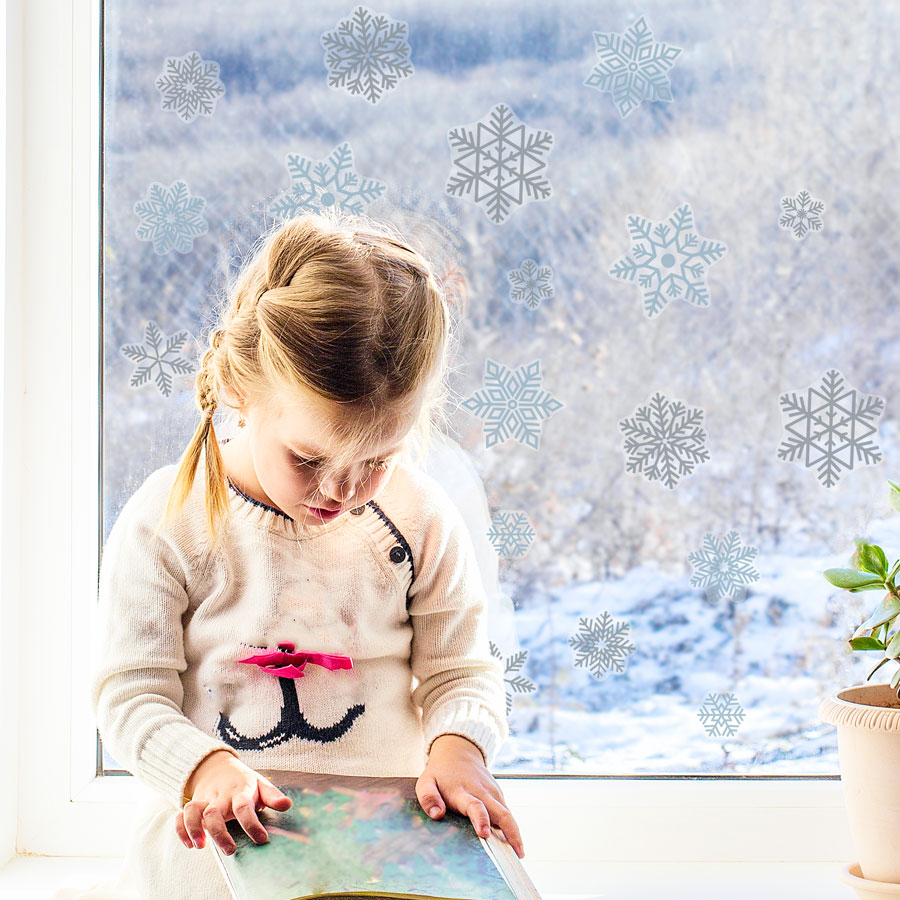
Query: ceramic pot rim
{"x": 856, "y": 707}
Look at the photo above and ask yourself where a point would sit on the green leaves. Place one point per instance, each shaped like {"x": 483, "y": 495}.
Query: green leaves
{"x": 886, "y": 610}
{"x": 866, "y": 643}
{"x": 853, "y": 580}
{"x": 872, "y": 559}
{"x": 894, "y": 496}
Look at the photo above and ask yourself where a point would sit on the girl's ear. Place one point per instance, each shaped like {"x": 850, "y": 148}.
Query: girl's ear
{"x": 230, "y": 398}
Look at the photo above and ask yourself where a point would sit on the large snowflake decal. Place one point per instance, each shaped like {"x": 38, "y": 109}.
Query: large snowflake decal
{"x": 664, "y": 440}
{"x": 668, "y": 260}
{"x": 830, "y": 427}
{"x": 516, "y": 683}
{"x": 190, "y": 86}
{"x": 170, "y": 217}
{"x": 802, "y": 214}
{"x": 318, "y": 184}
{"x": 721, "y": 714}
{"x": 601, "y": 645}
{"x": 723, "y": 567}
{"x": 498, "y": 164}
{"x": 632, "y": 67}
{"x": 367, "y": 54}
{"x": 530, "y": 283}
{"x": 510, "y": 533}
{"x": 159, "y": 356}
{"x": 512, "y": 404}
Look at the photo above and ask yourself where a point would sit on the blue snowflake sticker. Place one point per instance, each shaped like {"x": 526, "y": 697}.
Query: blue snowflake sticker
{"x": 170, "y": 217}
{"x": 668, "y": 260}
{"x": 512, "y": 404}
{"x": 723, "y": 567}
{"x": 802, "y": 214}
{"x": 664, "y": 440}
{"x": 158, "y": 356}
{"x": 515, "y": 683}
{"x": 632, "y": 67}
{"x": 318, "y": 184}
{"x": 190, "y": 86}
{"x": 830, "y": 427}
{"x": 721, "y": 714}
{"x": 498, "y": 163}
{"x": 367, "y": 54}
{"x": 601, "y": 645}
{"x": 511, "y": 534}
{"x": 530, "y": 283}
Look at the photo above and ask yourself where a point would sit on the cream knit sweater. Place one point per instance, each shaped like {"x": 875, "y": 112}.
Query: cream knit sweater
{"x": 393, "y": 584}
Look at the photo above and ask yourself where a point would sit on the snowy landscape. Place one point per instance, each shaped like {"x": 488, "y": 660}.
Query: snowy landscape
{"x": 667, "y": 340}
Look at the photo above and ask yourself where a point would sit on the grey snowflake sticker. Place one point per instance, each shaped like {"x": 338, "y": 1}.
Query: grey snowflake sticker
{"x": 515, "y": 683}
{"x": 512, "y": 404}
{"x": 721, "y": 714}
{"x": 632, "y": 67}
{"x": 530, "y": 283}
{"x": 322, "y": 183}
{"x": 511, "y": 534}
{"x": 830, "y": 427}
{"x": 668, "y": 260}
{"x": 498, "y": 163}
{"x": 664, "y": 440}
{"x": 170, "y": 217}
{"x": 601, "y": 645}
{"x": 723, "y": 567}
{"x": 190, "y": 86}
{"x": 802, "y": 214}
{"x": 158, "y": 356}
{"x": 367, "y": 54}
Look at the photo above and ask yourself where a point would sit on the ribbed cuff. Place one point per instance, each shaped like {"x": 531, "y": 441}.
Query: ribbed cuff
{"x": 172, "y": 753}
{"x": 470, "y": 719}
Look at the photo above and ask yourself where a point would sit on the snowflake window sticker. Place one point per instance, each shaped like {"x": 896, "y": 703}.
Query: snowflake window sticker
{"x": 802, "y": 214}
{"x": 516, "y": 683}
{"x": 664, "y": 440}
{"x": 318, "y": 184}
{"x": 723, "y": 567}
{"x": 190, "y": 86}
{"x": 530, "y": 283}
{"x": 721, "y": 714}
{"x": 632, "y": 67}
{"x": 668, "y": 260}
{"x": 830, "y": 427}
{"x": 498, "y": 163}
{"x": 510, "y": 534}
{"x": 601, "y": 645}
{"x": 170, "y": 217}
{"x": 512, "y": 404}
{"x": 158, "y": 356}
{"x": 367, "y": 54}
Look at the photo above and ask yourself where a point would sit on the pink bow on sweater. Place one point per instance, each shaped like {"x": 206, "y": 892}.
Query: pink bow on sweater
{"x": 286, "y": 664}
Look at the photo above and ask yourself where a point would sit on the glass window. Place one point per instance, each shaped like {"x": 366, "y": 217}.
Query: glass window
{"x": 676, "y": 272}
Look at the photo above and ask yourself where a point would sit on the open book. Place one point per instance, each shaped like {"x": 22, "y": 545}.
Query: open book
{"x": 352, "y": 836}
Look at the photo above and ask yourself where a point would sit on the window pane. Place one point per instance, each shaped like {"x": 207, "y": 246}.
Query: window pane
{"x": 675, "y": 372}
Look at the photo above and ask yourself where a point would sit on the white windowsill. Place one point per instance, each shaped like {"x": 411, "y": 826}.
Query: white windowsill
{"x": 37, "y": 877}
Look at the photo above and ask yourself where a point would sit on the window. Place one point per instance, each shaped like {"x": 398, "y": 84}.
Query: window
{"x": 592, "y": 315}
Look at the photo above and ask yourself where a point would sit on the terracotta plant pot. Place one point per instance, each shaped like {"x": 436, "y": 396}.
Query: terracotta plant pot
{"x": 868, "y": 727}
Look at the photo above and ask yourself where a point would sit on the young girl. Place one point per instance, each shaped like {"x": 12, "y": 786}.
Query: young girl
{"x": 311, "y": 601}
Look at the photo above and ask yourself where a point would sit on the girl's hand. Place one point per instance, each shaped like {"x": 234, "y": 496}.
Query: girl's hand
{"x": 223, "y": 788}
{"x": 456, "y": 774}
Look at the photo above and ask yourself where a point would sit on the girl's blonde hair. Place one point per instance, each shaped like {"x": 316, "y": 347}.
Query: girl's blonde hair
{"x": 332, "y": 308}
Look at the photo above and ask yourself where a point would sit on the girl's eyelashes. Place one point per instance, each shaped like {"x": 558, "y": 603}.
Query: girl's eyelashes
{"x": 378, "y": 465}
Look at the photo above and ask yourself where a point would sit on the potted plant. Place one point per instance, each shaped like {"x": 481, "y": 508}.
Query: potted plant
{"x": 867, "y": 717}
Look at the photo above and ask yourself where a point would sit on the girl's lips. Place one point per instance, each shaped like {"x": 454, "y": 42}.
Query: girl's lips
{"x": 324, "y": 513}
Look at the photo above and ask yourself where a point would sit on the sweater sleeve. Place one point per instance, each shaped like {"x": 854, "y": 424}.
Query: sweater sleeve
{"x": 136, "y": 689}
{"x": 461, "y": 688}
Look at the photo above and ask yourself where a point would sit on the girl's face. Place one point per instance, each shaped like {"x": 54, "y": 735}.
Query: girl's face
{"x": 277, "y": 460}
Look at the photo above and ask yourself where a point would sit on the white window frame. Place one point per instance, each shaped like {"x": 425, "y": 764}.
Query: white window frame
{"x": 51, "y": 801}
